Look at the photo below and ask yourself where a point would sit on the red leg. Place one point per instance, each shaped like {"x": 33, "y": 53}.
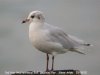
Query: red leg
{"x": 47, "y": 63}
{"x": 52, "y": 63}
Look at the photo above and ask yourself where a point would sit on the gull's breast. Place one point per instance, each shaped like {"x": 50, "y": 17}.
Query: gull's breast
{"x": 40, "y": 41}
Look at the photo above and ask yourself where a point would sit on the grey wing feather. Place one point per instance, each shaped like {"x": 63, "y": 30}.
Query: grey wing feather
{"x": 68, "y": 42}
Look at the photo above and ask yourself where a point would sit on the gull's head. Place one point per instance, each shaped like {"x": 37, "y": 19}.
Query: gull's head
{"x": 34, "y": 16}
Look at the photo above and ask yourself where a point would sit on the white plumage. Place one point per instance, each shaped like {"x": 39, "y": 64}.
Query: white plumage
{"x": 51, "y": 39}
{"x": 48, "y": 38}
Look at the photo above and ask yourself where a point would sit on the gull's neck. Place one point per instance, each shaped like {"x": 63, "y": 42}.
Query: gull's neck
{"x": 34, "y": 26}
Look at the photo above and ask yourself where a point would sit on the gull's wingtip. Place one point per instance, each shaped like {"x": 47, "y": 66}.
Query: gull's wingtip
{"x": 88, "y": 44}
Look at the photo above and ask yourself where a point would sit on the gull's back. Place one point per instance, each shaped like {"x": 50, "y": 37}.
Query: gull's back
{"x": 58, "y": 35}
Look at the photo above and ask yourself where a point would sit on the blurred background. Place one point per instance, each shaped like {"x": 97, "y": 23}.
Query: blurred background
{"x": 80, "y": 18}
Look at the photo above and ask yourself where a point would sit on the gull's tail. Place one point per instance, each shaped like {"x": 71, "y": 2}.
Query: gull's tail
{"x": 77, "y": 51}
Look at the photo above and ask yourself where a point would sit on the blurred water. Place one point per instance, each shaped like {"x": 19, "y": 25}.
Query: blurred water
{"x": 76, "y": 17}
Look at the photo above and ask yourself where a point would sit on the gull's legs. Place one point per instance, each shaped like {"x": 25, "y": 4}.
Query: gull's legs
{"x": 47, "y": 62}
{"x": 52, "y": 63}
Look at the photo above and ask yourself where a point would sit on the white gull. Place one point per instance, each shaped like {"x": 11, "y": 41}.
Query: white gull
{"x": 50, "y": 39}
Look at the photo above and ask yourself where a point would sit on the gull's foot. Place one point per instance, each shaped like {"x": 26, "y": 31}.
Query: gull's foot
{"x": 52, "y": 70}
{"x": 47, "y": 70}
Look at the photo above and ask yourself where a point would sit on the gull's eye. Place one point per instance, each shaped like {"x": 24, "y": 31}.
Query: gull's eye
{"x": 38, "y": 17}
{"x": 32, "y": 16}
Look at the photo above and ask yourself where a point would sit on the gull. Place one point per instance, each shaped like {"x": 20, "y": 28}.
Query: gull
{"x": 50, "y": 39}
